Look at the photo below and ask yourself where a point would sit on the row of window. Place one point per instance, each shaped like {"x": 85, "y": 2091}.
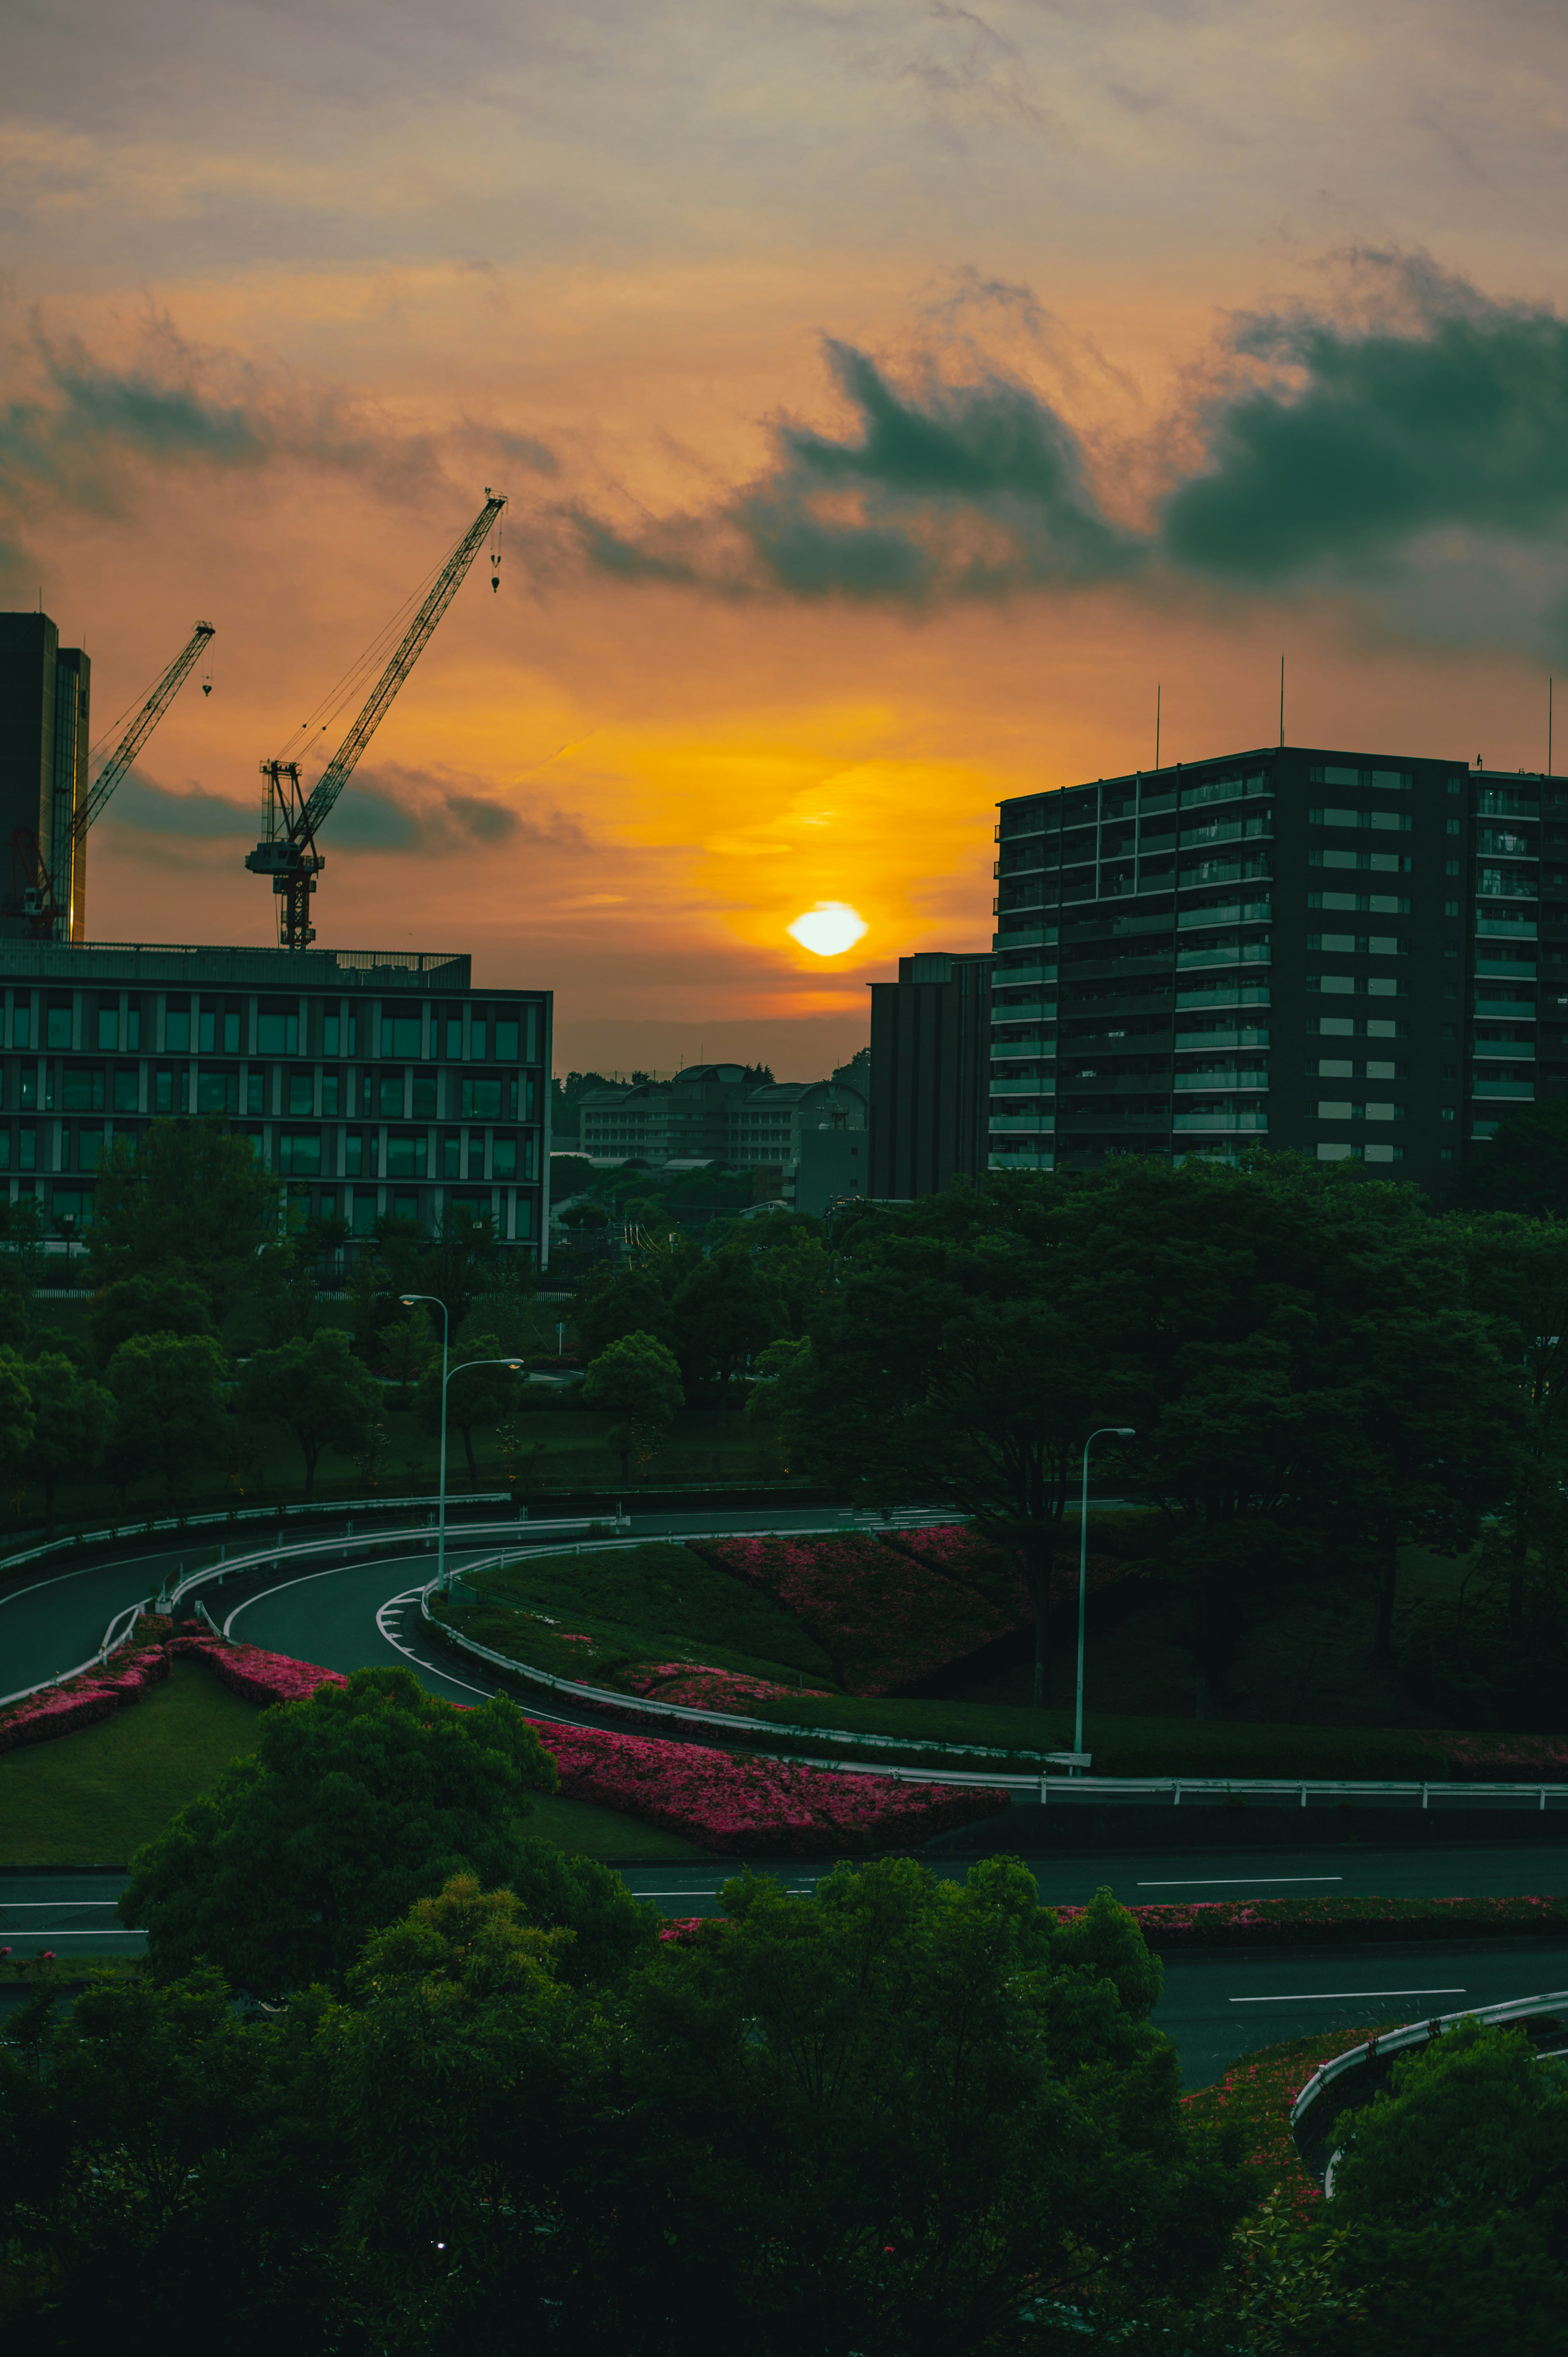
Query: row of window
{"x": 121, "y": 1023}
{"x": 233, "y": 1089}
{"x": 72, "y": 1208}
{"x": 305, "y": 1154}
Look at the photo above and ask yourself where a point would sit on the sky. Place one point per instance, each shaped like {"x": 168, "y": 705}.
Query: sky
{"x": 890, "y": 397}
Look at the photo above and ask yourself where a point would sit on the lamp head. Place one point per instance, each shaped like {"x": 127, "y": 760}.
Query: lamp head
{"x": 408, "y": 1299}
{"x": 1126, "y": 1432}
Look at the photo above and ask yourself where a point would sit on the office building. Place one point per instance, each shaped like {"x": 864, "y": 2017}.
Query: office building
{"x": 1359, "y": 957}
{"x": 931, "y": 1055}
{"x": 375, "y": 1083}
{"x": 45, "y": 696}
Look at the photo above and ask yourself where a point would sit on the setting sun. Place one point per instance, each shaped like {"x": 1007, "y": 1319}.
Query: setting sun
{"x": 829, "y": 928}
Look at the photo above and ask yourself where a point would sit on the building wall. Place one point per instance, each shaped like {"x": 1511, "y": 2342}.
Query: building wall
{"x": 374, "y": 1083}
{"x": 714, "y": 1112}
{"x": 44, "y": 733}
{"x": 930, "y": 1035}
{"x": 1345, "y": 954}
{"x": 834, "y": 1166}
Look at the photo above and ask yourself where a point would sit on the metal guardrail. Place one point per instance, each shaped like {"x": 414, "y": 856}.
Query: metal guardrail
{"x": 225, "y": 1515}
{"x": 1413, "y": 2035}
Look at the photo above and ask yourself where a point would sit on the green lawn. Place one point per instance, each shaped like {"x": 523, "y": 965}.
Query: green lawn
{"x": 89, "y": 1799}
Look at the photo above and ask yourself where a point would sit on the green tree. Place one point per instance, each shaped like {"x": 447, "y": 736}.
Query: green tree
{"x": 1524, "y": 1168}
{"x": 794, "y": 1266}
{"x": 1452, "y": 2194}
{"x": 633, "y": 1300}
{"x": 16, "y": 1419}
{"x": 73, "y": 1420}
{"x": 636, "y": 1381}
{"x": 353, "y": 1805}
{"x": 406, "y": 1347}
{"x": 146, "y": 1304}
{"x": 890, "y": 2118}
{"x": 317, "y": 1389}
{"x": 169, "y": 1404}
{"x": 722, "y": 1313}
{"x": 192, "y": 1199}
{"x": 475, "y": 1395}
{"x": 168, "y": 2171}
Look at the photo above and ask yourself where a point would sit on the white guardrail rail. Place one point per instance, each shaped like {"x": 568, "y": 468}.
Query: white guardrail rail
{"x": 1550, "y": 2011}
{"x": 1073, "y": 1783}
{"x": 224, "y": 1515}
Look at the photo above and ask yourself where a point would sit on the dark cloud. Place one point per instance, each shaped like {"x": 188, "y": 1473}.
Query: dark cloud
{"x": 78, "y": 429}
{"x": 387, "y": 809}
{"x": 939, "y": 489}
{"x": 1451, "y": 413}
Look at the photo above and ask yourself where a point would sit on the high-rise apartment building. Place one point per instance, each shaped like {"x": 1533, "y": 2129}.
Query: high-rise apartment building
{"x": 1356, "y": 956}
{"x": 376, "y": 1083}
{"x": 45, "y": 693}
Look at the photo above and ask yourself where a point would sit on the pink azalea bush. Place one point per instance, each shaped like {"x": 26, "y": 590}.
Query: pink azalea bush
{"x": 258, "y": 1675}
{"x": 885, "y": 1621}
{"x": 94, "y": 1695}
{"x": 1501, "y": 1759}
{"x": 742, "y": 1806}
{"x": 1340, "y": 1922}
{"x": 697, "y": 1685}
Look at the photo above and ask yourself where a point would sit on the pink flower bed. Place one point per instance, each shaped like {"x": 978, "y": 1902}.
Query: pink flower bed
{"x": 884, "y": 1620}
{"x": 258, "y": 1675}
{"x": 80, "y": 1701}
{"x": 746, "y": 1807}
{"x": 1502, "y": 1759}
{"x": 700, "y": 1687}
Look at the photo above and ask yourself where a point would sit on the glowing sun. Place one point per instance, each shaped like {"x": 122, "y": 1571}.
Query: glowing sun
{"x": 829, "y": 928}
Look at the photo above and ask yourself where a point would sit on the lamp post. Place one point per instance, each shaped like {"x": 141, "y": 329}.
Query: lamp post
{"x": 408, "y": 1300}
{"x": 1122, "y": 1432}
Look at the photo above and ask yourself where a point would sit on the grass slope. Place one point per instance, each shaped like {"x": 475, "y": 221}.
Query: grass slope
{"x": 89, "y": 1799}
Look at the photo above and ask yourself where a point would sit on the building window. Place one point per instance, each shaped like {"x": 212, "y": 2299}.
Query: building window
{"x": 405, "y": 1208}
{"x": 108, "y": 1022}
{"x": 176, "y": 1026}
{"x": 301, "y": 1094}
{"x": 355, "y": 1163}
{"x": 27, "y": 1147}
{"x": 299, "y": 1153}
{"x": 216, "y": 1091}
{"x": 406, "y": 1151}
{"x": 452, "y": 1154}
{"x": 401, "y": 1034}
{"x": 74, "y": 1204}
{"x": 331, "y": 1095}
{"x": 57, "y": 1020}
{"x": 89, "y": 1147}
{"x": 390, "y": 1095}
{"x": 482, "y": 1100}
{"x": 363, "y": 1217}
{"x": 479, "y": 1033}
{"x": 503, "y": 1156}
{"x": 127, "y": 1089}
{"x": 21, "y": 1023}
{"x": 506, "y": 1037}
{"x": 423, "y": 1107}
{"x": 83, "y": 1088}
{"x": 277, "y": 1029}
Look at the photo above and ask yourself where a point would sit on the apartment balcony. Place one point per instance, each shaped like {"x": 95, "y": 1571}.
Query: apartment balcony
{"x": 1024, "y": 1158}
{"x": 1233, "y": 954}
{"x": 1232, "y": 994}
{"x": 1021, "y": 977}
{"x": 1031, "y": 935}
{"x": 1209, "y": 1082}
{"x": 1218, "y": 1041}
{"x": 1024, "y": 1084}
{"x": 1512, "y": 929}
{"x": 1234, "y": 912}
{"x": 1245, "y": 1118}
{"x": 1513, "y": 1010}
{"x": 1041, "y": 1123}
{"x": 1023, "y": 1010}
{"x": 1523, "y": 1090}
{"x": 1492, "y": 1048}
{"x": 1014, "y": 1048}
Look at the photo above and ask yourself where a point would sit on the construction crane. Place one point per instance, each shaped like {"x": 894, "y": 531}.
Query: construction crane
{"x": 287, "y": 853}
{"x": 36, "y": 882}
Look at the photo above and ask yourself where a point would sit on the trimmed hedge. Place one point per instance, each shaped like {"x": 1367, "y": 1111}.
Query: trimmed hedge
{"x": 1252, "y": 1924}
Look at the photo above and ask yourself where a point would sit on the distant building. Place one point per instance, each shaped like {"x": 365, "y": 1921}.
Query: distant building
{"x": 717, "y": 1113}
{"x": 376, "y": 1083}
{"x": 834, "y": 1165}
{"x": 930, "y": 1061}
{"x": 45, "y": 698}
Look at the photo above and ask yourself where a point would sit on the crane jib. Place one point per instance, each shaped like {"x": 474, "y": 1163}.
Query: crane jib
{"x": 290, "y": 856}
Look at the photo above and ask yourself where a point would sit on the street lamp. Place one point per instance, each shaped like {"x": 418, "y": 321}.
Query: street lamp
{"x": 408, "y": 1300}
{"x": 1120, "y": 1432}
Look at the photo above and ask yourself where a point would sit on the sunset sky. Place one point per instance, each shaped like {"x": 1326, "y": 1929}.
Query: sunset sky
{"x": 889, "y": 395}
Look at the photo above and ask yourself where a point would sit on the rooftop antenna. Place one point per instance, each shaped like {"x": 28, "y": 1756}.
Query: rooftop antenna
{"x": 1282, "y": 699}
{"x": 1549, "y": 687}
{"x": 1156, "y": 723}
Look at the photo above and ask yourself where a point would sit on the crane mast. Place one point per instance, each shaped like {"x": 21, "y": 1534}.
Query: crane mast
{"x": 287, "y": 853}
{"x": 37, "y": 880}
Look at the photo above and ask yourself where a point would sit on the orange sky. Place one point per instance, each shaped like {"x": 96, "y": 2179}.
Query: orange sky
{"x": 290, "y": 284}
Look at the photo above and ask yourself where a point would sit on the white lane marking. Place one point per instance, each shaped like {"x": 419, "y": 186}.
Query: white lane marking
{"x": 1329, "y": 1996}
{"x": 395, "y": 1603}
{"x": 1251, "y": 1881}
{"x": 331, "y": 1572}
